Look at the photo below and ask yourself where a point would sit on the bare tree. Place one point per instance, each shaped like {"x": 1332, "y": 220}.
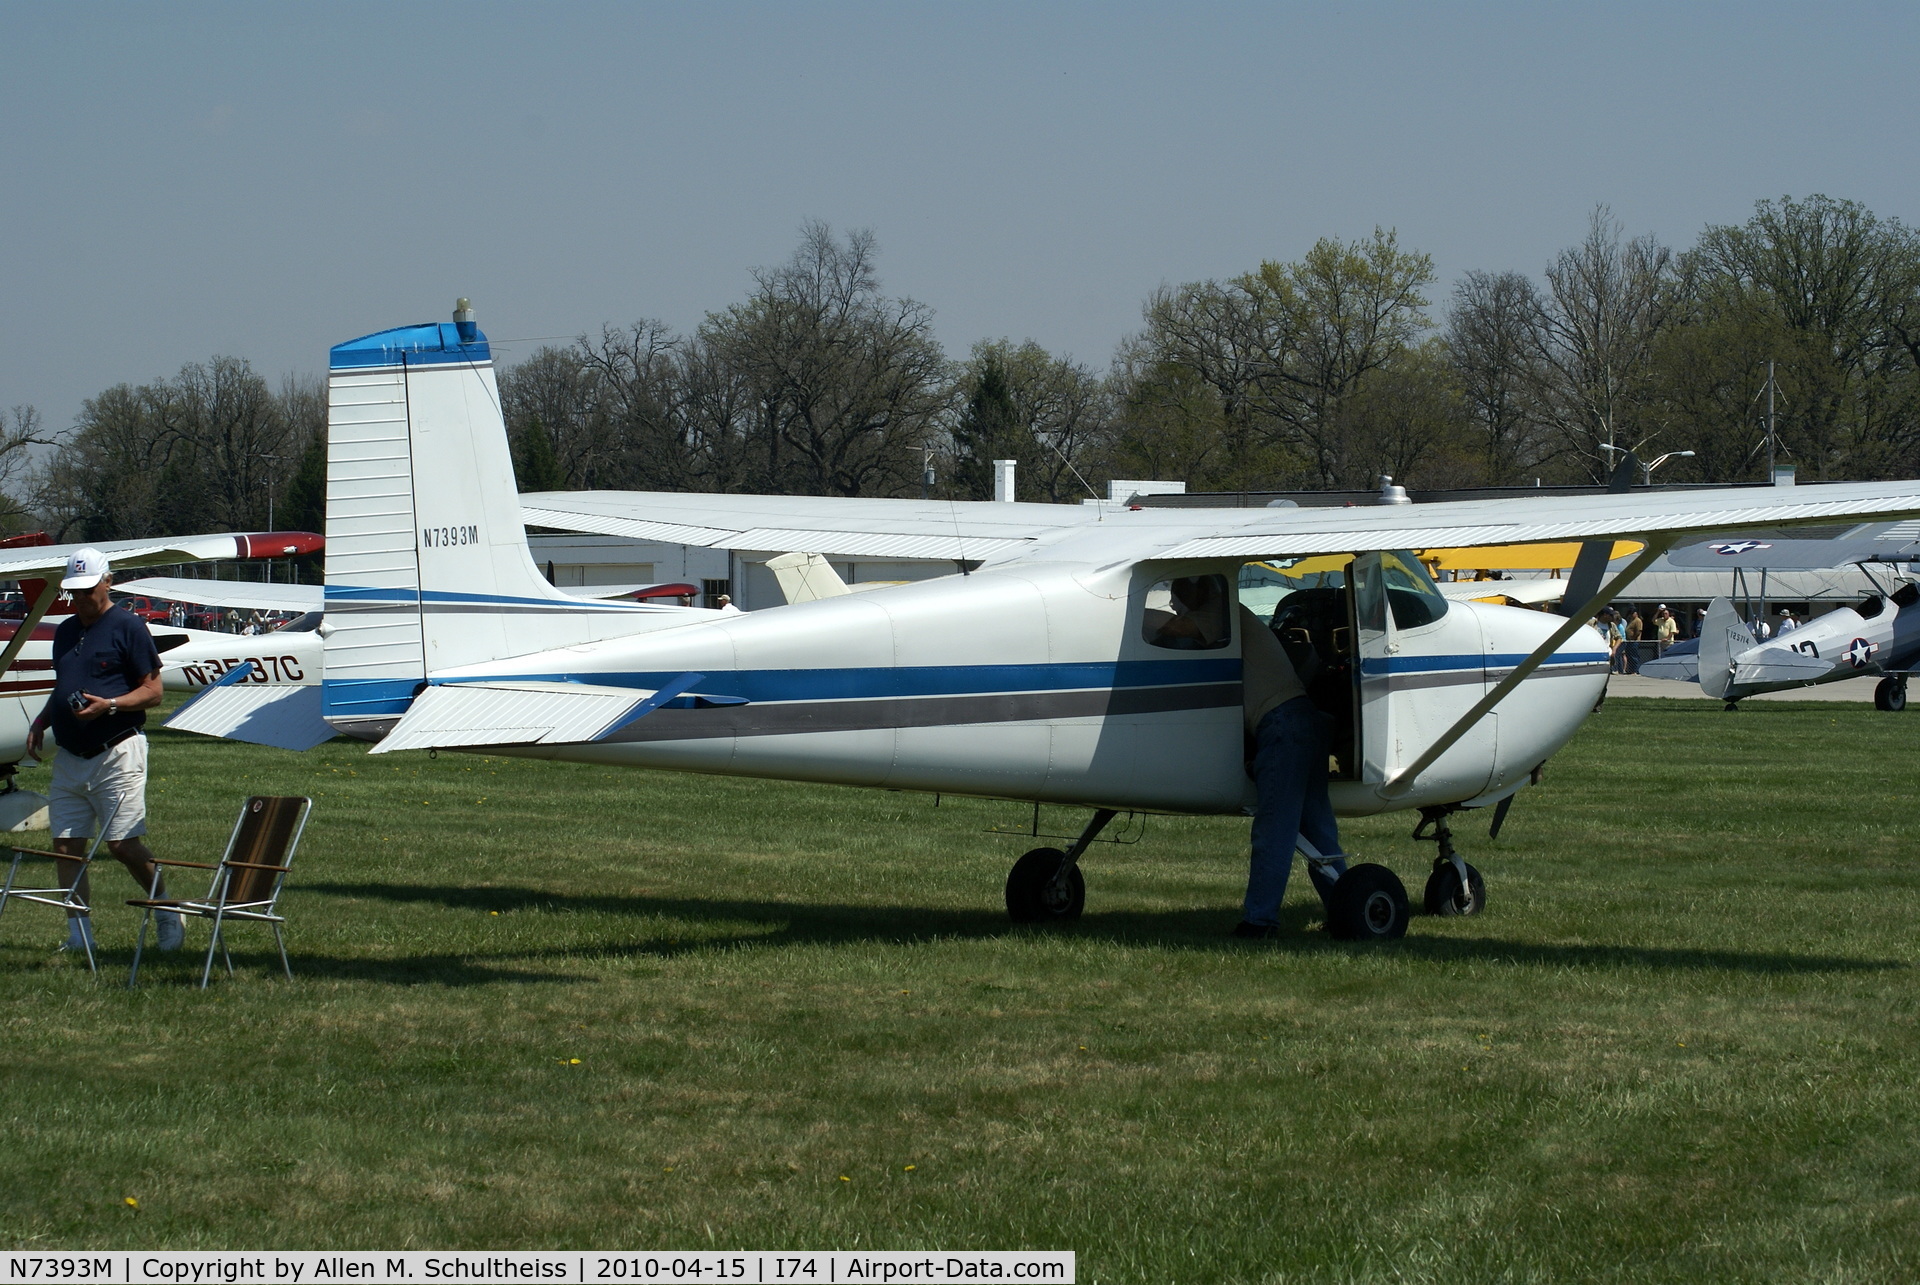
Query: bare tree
{"x": 1490, "y": 345}
{"x": 1607, "y": 302}
{"x": 849, "y": 385}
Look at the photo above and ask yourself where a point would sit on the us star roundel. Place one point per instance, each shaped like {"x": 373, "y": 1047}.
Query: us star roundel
{"x": 1734, "y": 547}
{"x": 1859, "y": 652}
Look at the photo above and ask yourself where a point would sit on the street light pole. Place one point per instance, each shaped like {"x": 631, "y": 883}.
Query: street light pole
{"x": 271, "y": 460}
{"x": 1670, "y": 455}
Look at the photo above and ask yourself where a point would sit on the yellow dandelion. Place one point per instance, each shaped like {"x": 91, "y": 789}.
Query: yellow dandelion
{"x": 1083, "y": 1048}
{"x": 844, "y": 1178}
{"x": 909, "y": 1169}
{"x": 668, "y": 1169}
{"x": 573, "y": 1062}
{"x": 132, "y": 1203}
{"x": 494, "y": 913}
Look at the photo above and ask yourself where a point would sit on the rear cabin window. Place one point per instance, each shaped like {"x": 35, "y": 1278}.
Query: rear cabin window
{"x": 1192, "y": 613}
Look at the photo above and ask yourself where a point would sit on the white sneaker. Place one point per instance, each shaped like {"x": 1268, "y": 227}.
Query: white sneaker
{"x": 79, "y": 935}
{"x": 169, "y": 932}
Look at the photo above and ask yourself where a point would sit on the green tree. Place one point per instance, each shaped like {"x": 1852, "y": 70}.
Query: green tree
{"x": 534, "y": 465}
{"x": 1844, "y": 284}
{"x": 988, "y": 430}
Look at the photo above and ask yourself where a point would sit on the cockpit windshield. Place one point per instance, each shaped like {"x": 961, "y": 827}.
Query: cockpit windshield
{"x": 1410, "y": 592}
{"x": 1264, "y": 586}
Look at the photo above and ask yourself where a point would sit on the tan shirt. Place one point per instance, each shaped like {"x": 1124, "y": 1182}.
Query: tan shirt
{"x": 1267, "y": 680}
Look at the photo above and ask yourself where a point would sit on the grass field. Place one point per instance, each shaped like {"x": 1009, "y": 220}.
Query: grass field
{"x": 549, "y": 1005}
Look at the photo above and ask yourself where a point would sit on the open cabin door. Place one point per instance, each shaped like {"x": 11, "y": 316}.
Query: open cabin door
{"x": 1422, "y": 666}
{"x": 1373, "y": 636}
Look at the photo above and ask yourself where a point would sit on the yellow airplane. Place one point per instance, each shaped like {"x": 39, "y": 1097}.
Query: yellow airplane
{"x": 1473, "y": 572}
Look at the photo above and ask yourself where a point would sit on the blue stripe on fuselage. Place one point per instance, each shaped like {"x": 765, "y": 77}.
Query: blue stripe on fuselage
{"x": 1442, "y": 664}
{"x": 391, "y": 696}
{"x": 911, "y": 680}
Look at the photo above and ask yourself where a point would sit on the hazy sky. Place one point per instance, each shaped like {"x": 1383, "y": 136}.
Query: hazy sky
{"x": 264, "y": 181}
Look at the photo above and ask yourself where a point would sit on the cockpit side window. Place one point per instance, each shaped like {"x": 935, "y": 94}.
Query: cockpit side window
{"x": 1192, "y": 613}
{"x": 1410, "y": 592}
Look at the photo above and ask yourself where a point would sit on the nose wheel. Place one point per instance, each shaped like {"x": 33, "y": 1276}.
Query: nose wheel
{"x": 1454, "y": 887}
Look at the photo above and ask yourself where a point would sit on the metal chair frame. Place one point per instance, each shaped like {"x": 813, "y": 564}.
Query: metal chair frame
{"x": 66, "y": 898}
{"x": 217, "y": 907}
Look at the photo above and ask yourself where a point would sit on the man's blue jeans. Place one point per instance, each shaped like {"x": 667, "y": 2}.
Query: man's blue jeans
{"x": 1290, "y": 785}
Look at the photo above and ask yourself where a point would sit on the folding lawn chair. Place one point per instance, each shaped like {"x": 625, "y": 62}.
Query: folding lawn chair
{"x": 246, "y": 882}
{"x": 67, "y": 898}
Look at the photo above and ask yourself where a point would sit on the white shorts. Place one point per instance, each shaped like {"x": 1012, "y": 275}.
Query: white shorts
{"x": 110, "y": 788}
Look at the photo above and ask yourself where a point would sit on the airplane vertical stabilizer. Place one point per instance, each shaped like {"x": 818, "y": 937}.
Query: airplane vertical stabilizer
{"x": 427, "y": 560}
{"x": 374, "y": 651}
{"x": 1722, "y": 637}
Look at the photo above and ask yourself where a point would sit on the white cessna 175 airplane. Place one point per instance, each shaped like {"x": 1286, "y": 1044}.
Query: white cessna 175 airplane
{"x": 1076, "y": 655}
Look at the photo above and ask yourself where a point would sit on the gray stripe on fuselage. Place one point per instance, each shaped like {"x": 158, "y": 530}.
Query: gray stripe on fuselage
{"x": 1475, "y": 677}
{"x": 789, "y": 717}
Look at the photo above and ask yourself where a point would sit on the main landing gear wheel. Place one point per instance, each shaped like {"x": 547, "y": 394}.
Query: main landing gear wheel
{"x": 1039, "y": 891}
{"x": 1890, "y": 696}
{"x": 1046, "y": 885}
{"x": 1445, "y": 896}
{"x": 1369, "y": 903}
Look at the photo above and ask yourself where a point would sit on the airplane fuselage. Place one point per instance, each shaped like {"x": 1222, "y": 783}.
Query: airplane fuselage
{"x": 1035, "y": 682}
{"x": 1877, "y": 638}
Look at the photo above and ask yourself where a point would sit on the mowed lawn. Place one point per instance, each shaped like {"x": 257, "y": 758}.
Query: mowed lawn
{"x": 545, "y": 1005}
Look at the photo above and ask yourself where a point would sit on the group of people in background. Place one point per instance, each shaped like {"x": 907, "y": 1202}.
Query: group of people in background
{"x": 1626, "y": 632}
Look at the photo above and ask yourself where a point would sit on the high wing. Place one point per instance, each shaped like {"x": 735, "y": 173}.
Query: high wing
{"x": 994, "y": 532}
{"x": 250, "y": 595}
{"x": 45, "y": 560}
{"x": 960, "y": 529}
{"x": 1881, "y": 542}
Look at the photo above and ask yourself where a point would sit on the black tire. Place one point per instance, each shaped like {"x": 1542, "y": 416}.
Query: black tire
{"x": 1890, "y": 696}
{"x": 1031, "y": 896}
{"x": 1443, "y": 891}
{"x": 1369, "y": 904}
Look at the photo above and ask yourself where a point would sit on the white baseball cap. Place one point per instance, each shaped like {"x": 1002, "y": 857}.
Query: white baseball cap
{"x": 85, "y": 568}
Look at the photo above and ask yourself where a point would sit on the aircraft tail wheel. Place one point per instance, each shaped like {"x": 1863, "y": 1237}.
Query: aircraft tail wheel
{"x": 1444, "y": 895}
{"x": 1890, "y": 696}
{"x": 1035, "y": 895}
{"x": 1369, "y": 903}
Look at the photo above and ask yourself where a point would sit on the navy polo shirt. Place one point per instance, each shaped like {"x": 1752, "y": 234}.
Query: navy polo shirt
{"x": 107, "y": 659}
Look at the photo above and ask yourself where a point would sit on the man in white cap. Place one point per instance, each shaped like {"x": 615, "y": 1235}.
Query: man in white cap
{"x": 106, "y": 673}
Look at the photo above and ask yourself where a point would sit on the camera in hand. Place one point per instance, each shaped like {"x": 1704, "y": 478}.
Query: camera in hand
{"x": 77, "y": 701}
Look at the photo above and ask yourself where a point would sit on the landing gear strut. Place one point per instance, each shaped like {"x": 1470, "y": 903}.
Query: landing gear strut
{"x": 1454, "y": 887}
{"x": 1890, "y": 696}
{"x": 1046, "y": 884}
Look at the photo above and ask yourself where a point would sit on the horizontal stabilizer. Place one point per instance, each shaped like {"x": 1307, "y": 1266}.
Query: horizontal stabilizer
{"x": 534, "y": 713}
{"x": 1780, "y": 665}
{"x": 284, "y": 716}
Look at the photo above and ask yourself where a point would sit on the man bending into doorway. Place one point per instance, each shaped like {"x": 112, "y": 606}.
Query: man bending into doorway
{"x": 1291, "y": 744}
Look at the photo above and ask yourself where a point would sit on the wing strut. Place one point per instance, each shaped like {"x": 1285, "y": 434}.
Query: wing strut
{"x": 1403, "y": 782}
{"x": 25, "y": 629}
